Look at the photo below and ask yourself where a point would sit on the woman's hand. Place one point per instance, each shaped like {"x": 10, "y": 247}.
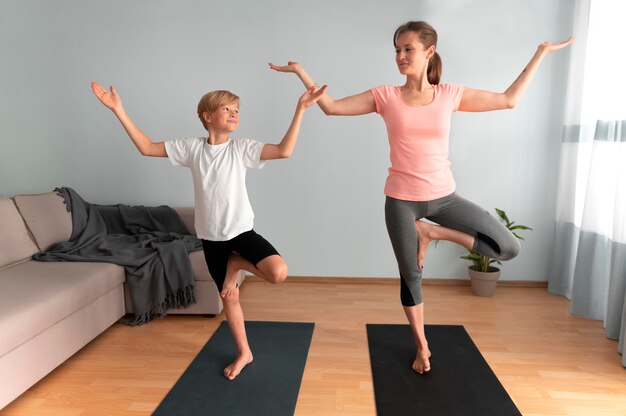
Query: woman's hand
{"x": 362, "y": 103}
{"x": 111, "y": 100}
{"x": 547, "y": 47}
{"x": 311, "y": 96}
{"x": 290, "y": 67}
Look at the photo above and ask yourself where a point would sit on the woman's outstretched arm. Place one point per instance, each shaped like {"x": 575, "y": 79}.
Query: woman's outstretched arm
{"x": 285, "y": 147}
{"x": 353, "y": 105}
{"x": 478, "y": 100}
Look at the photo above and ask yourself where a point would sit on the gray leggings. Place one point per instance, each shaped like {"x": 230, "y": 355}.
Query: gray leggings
{"x": 492, "y": 238}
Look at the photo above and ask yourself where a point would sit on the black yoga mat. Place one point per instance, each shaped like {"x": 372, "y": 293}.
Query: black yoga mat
{"x": 267, "y": 386}
{"x": 459, "y": 383}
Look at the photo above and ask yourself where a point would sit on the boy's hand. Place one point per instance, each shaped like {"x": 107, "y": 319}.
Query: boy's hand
{"x": 311, "y": 96}
{"x": 110, "y": 99}
{"x": 290, "y": 67}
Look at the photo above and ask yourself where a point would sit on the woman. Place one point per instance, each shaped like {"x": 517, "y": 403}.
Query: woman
{"x": 420, "y": 183}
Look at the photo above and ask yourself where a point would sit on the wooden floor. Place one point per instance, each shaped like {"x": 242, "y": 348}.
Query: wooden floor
{"x": 550, "y": 362}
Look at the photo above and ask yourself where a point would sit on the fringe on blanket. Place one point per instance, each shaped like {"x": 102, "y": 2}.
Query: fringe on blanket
{"x": 183, "y": 298}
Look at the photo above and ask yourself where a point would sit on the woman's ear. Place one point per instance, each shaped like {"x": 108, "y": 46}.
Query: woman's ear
{"x": 430, "y": 51}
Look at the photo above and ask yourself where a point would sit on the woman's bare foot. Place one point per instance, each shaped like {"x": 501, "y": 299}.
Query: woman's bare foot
{"x": 422, "y": 360}
{"x": 233, "y": 370}
{"x": 424, "y": 230}
{"x": 232, "y": 274}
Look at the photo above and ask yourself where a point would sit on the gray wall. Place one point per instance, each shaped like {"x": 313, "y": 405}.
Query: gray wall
{"x": 323, "y": 208}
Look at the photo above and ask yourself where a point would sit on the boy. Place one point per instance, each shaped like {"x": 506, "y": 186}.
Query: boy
{"x": 223, "y": 215}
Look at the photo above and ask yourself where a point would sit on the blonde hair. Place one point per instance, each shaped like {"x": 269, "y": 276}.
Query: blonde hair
{"x": 213, "y": 100}
{"x": 428, "y": 37}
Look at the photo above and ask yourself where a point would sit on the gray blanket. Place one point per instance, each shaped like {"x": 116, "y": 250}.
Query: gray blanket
{"x": 152, "y": 243}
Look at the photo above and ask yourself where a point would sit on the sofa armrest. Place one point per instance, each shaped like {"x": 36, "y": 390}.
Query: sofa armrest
{"x": 188, "y": 217}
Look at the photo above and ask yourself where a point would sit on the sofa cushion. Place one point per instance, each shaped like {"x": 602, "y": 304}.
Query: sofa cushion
{"x": 36, "y": 295}
{"x": 47, "y": 218}
{"x": 15, "y": 242}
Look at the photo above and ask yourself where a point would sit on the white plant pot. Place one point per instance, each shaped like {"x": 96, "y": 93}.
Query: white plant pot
{"x": 484, "y": 283}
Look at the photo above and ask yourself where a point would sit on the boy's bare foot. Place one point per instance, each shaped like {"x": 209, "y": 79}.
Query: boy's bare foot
{"x": 233, "y": 370}
{"x": 422, "y": 361}
{"x": 232, "y": 273}
{"x": 423, "y": 233}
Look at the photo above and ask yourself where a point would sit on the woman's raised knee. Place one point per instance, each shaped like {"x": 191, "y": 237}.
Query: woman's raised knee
{"x": 511, "y": 250}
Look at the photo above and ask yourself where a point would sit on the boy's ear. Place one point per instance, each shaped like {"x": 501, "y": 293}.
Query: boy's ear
{"x": 206, "y": 117}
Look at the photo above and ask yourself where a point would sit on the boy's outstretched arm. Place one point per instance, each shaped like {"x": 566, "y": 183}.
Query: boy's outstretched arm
{"x": 285, "y": 147}
{"x": 113, "y": 102}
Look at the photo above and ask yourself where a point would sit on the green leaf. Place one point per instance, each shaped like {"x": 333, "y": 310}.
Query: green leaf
{"x": 502, "y": 215}
{"x": 520, "y": 227}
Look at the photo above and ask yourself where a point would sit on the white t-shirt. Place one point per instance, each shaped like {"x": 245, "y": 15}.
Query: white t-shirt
{"x": 223, "y": 210}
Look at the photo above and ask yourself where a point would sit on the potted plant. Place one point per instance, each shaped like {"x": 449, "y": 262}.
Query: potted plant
{"x": 484, "y": 276}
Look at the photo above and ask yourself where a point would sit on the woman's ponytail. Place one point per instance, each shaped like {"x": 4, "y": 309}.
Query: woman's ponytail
{"x": 434, "y": 69}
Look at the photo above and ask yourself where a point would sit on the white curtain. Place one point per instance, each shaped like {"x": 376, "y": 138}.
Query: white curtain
{"x": 590, "y": 252}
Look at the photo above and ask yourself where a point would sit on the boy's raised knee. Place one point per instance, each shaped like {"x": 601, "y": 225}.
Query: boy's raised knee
{"x": 278, "y": 273}
{"x": 273, "y": 269}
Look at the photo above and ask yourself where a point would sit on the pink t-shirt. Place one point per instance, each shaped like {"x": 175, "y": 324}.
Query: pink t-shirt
{"x": 418, "y": 139}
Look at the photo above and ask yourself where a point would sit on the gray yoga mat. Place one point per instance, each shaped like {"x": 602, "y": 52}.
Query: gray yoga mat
{"x": 267, "y": 386}
{"x": 460, "y": 382}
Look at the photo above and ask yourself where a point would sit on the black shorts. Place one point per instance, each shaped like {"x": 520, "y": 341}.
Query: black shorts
{"x": 249, "y": 245}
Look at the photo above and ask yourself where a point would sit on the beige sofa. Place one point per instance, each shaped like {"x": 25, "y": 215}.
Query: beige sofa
{"x": 49, "y": 311}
